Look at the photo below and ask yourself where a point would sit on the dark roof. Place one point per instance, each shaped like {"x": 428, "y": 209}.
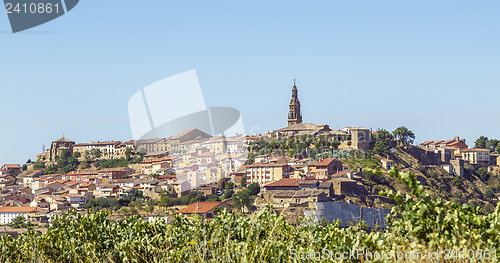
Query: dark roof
{"x": 285, "y": 182}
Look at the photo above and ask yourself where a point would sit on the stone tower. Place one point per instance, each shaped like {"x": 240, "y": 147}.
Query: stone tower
{"x": 294, "y": 115}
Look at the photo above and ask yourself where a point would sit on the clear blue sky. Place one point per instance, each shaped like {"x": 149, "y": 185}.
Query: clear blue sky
{"x": 432, "y": 66}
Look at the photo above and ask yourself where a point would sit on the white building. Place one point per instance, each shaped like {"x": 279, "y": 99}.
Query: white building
{"x": 476, "y": 156}
{"x": 7, "y": 214}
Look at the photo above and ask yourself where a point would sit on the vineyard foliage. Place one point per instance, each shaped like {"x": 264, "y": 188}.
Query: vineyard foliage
{"x": 417, "y": 223}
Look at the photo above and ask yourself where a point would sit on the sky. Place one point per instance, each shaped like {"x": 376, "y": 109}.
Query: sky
{"x": 432, "y": 66}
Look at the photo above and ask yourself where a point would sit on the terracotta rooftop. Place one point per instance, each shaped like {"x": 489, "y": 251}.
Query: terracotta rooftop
{"x": 10, "y": 166}
{"x": 340, "y": 174}
{"x": 285, "y": 182}
{"x": 7, "y": 209}
{"x": 199, "y": 207}
{"x": 207, "y": 154}
{"x": 437, "y": 142}
{"x": 325, "y": 161}
{"x": 99, "y": 143}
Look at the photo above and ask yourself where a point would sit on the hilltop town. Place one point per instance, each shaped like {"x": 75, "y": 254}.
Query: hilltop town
{"x": 299, "y": 169}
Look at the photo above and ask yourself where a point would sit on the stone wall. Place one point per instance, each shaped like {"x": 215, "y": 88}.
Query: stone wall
{"x": 424, "y": 157}
{"x": 347, "y": 212}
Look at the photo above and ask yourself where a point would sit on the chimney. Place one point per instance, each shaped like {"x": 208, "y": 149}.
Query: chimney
{"x": 197, "y": 205}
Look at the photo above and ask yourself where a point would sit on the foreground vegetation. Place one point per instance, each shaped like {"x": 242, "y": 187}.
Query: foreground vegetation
{"x": 418, "y": 224}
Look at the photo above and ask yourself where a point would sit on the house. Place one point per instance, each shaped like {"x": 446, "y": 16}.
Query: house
{"x": 326, "y": 167}
{"x": 125, "y": 191}
{"x": 13, "y": 169}
{"x": 82, "y": 176}
{"x": 203, "y": 209}
{"x": 40, "y": 216}
{"x": 106, "y": 190}
{"x": 476, "y": 156}
{"x": 327, "y": 188}
{"x": 149, "y": 185}
{"x": 283, "y": 184}
{"x": 115, "y": 173}
{"x": 154, "y": 166}
{"x": 40, "y": 203}
{"x": 387, "y": 163}
{"x": 263, "y": 173}
{"x": 180, "y": 188}
{"x": 7, "y": 180}
{"x": 343, "y": 186}
{"x": 208, "y": 157}
{"x": 130, "y": 182}
{"x": 16, "y": 200}
{"x": 27, "y": 179}
{"x": 456, "y": 142}
{"x": 7, "y": 214}
{"x": 78, "y": 200}
{"x": 304, "y": 197}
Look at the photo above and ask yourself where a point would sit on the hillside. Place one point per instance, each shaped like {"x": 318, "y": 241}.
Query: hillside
{"x": 470, "y": 188}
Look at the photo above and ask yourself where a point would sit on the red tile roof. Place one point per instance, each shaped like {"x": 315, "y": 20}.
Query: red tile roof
{"x": 285, "y": 182}
{"x": 199, "y": 207}
{"x": 437, "y": 142}
{"x": 99, "y": 143}
{"x": 325, "y": 161}
{"x": 341, "y": 173}
{"x": 7, "y": 209}
{"x": 10, "y": 166}
{"x": 207, "y": 154}
{"x": 459, "y": 145}
{"x": 427, "y": 142}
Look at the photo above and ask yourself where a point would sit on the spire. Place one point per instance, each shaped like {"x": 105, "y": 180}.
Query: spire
{"x": 294, "y": 116}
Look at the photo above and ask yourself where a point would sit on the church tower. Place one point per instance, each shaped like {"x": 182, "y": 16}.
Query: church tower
{"x": 294, "y": 116}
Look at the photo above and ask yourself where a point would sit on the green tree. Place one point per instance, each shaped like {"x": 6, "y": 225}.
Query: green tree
{"x": 149, "y": 209}
{"x": 483, "y": 174}
{"x": 243, "y": 199}
{"x": 381, "y": 147}
{"x": 481, "y": 142}
{"x": 489, "y": 194}
{"x": 405, "y": 135}
{"x": 51, "y": 169}
{"x": 253, "y": 188}
{"x": 66, "y": 162}
{"x": 128, "y": 153}
{"x": 229, "y": 185}
{"x": 18, "y": 222}
{"x": 228, "y": 193}
{"x": 38, "y": 165}
{"x": 383, "y": 135}
{"x": 212, "y": 198}
{"x": 87, "y": 155}
{"x": 492, "y": 144}
{"x": 244, "y": 181}
{"x": 96, "y": 153}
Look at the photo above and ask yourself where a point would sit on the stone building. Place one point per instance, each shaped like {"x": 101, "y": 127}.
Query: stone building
{"x": 294, "y": 115}
{"x": 56, "y": 149}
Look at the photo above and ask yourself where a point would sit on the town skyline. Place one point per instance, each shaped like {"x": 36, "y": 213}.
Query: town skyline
{"x": 354, "y": 67}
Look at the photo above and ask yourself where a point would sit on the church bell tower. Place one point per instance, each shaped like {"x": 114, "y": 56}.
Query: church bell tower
{"x": 294, "y": 115}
